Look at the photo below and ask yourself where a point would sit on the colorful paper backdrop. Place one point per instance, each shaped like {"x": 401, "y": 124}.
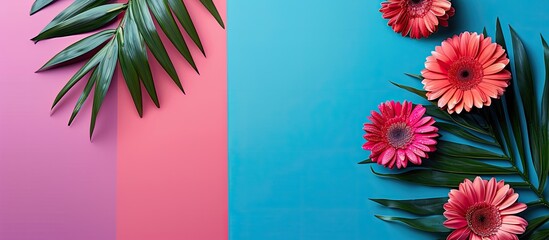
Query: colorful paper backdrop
{"x": 302, "y": 77}
{"x": 160, "y": 177}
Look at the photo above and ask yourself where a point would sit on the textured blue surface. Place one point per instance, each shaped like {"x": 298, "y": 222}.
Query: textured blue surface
{"x": 303, "y": 76}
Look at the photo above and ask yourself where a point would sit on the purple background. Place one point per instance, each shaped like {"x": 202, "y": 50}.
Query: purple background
{"x": 54, "y": 183}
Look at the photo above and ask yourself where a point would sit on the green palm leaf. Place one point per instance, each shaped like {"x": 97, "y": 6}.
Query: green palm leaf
{"x": 126, "y": 45}
{"x": 39, "y": 5}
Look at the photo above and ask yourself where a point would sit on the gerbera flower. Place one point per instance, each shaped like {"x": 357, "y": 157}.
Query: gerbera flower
{"x": 419, "y": 18}
{"x": 399, "y": 133}
{"x": 484, "y": 210}
{"x": 465, "y": 71}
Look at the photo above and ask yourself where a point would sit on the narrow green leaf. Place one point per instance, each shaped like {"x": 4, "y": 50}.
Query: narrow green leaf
{"x": 418, "y": 92}
{"x": 545, "y": 99}
{"x": 540, "y": 235}
{"x": 426, "y": 224}
{"x": 39, "y": 5}
{"x": 434, "y": 111}
{"x": 465, "y": 151}
{"x": 428, "y": 177}
{"x": 84, "y": 22}
{"x": 367, "y": 161}
{"x": 534, "y": 224}
{"x": 83, "y": 97}
{"x": 138, "y": 55}
{"x": 163, "y": 15}
{"x": 130, "y": 74}
{"x": 213, "y": 10}
{"x": 459, "y": 165}
{"x": 104, "y": 73}
{"x": 544, "y": 141}
{"x": 79, "y": 48}
{"x": 74, "y": 9}
{"x": 147, "y": 29}
{"x": 180, "y": 11}
{"x": 423, "y": 207}
{"x": 525, "y": 84}
{"x": 512, "y": 106}
{"x": 485, "y": 32}
{"x": 460, "y": 132}
{"x": 94, "y": 61}
{"x": 416, "y": 76}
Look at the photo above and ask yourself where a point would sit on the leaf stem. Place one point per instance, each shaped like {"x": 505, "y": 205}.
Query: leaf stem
{"x": 541, "y": 200}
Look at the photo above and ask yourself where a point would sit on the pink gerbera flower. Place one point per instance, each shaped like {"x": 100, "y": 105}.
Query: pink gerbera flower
{"x": 465, "y": 71}
{"x": 419, "y": 18}
{"x": 484, "y": 210}
{"x": 399, "y": 133}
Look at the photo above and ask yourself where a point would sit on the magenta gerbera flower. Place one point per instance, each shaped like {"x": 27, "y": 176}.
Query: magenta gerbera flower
{"x": 399, "y": 133}
{"x": 484, "y": 209}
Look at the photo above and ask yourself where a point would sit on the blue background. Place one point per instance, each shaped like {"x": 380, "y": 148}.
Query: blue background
{"x": 303, "y": 77}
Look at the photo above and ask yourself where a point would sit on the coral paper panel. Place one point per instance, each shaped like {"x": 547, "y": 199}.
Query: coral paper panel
{"x": 54, "y": 183}
{"x": 172, "y": 163}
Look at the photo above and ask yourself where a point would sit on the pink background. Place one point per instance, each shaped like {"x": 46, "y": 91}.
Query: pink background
{"x": 172, "y": 164}
{"x": 160, "y": 177}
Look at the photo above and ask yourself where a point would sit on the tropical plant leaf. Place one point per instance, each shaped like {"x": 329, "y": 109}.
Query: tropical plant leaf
{"x": 163, "y": 15}
{"x": 74, "y": 9}
{"x": 418, "y": 92}
{"x": 416, "y": 76}
{"x": 82, "y": 98}
{"x": 367, "y": 161}
{"x": 130, "y": 73}
{"x": 426, "y": 224}
{"x": 182, "y": 14}
{"x": 147, "y": 29}
{"x": 459, "y": 165}
{"x": 135, "y": 48}
{"x": 455, "y": 130}
{"x": 103, "y": 75}
{"x": 79, "y": 48}
{"x": 428, "y": 177}
{"x": 465, "y": 151}
{"x": 423, "y": 207}
{"x": 545, "y": 121}
{"x": 525, "y": 84}
{"x": 540, "y": 235}
{"x": 513, "y": 110}
{"x": 84, "y": 22}
{"x": 92, "y": 63}
{"x": 134, "y": 34}
{"x": 213, "y": 10}
{"x": 534, "y": 224}
{"x": 39, "y": 5}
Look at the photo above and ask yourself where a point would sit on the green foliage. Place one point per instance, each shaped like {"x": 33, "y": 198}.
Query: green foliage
{"x": 499, "y": 148}
{"x": 125, "y": 45}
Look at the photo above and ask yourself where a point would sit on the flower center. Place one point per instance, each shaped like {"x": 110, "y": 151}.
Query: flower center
{"x": 417, "y": 8}
{"x": 483, "y": 219}
{"x": 399, "y": 135}
{"x": 465, "y": 73}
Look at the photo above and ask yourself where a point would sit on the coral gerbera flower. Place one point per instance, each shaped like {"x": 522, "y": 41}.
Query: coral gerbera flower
{"x": 399, "y": 133}
{"x": 484, "y": 210}
{"x": 465, "y": 71}
{"x": 419, "y": 18}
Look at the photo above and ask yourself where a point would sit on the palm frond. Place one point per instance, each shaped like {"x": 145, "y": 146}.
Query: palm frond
{"x": 126, "y": 45}
{"x": 500, "y": 151}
